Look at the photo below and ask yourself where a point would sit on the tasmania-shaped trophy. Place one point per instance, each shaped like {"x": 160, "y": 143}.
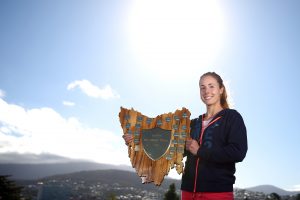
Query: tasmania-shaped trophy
{"x": 158, "y": 143}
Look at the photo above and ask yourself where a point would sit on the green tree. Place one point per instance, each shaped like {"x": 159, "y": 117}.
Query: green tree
{"x": 8, "y": 189}
{"x": 171, "y": 193}
{"x": 274, "y": 196}
{"x": 298, "y": 197}
{"x": 112, "y": 197}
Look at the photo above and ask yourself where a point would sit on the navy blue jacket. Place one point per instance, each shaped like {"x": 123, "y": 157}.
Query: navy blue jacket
{"x": 224, "y": 143}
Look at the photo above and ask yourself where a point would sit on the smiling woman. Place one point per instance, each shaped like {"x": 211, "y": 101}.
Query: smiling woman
{"x": 167, "y": 36}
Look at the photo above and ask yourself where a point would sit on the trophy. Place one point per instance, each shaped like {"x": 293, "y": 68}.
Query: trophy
{"x": 158, "y": 143}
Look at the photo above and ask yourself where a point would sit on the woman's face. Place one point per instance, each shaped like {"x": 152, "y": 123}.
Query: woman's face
{"x": 210, "y": 90}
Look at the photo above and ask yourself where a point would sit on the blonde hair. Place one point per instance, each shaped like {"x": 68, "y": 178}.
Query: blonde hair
{"x": 223, "y": 100}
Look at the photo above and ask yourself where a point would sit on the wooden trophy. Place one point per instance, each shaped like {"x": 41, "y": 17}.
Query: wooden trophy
{"x": 158, "y": 143}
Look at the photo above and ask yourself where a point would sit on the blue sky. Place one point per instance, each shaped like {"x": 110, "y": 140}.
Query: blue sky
{"x": 66, "y": 68}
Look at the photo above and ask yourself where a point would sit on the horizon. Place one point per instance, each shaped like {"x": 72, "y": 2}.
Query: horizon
{"x": 67, "y": 68}
{"x": 64, "y": 160}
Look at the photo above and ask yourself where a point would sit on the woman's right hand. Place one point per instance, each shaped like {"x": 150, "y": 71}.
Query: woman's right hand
{"x": 192, "y": 146}
{"x": 128, "y": 138}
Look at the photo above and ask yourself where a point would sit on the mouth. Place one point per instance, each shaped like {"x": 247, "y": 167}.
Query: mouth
{"x": 207, "y": 97}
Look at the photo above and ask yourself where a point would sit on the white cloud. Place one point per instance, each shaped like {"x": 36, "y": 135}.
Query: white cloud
{"x": 93, "y": 91}
{"x": 43, "y": 130}
{"x": 68, "y": 103}
{"x": 2, "y": 94}
{"x": 295, "y": 188}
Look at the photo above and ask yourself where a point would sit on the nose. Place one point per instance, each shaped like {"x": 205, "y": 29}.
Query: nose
{"x": 205, "y": 91}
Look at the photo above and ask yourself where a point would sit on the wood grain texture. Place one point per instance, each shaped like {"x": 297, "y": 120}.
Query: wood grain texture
{"x": 155, "y": 170}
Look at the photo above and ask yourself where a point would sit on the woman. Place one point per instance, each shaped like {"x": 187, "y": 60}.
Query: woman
{"x": 218, "y": 141}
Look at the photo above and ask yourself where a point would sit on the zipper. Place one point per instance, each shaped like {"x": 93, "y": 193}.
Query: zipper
{"x": 200, "y": 141}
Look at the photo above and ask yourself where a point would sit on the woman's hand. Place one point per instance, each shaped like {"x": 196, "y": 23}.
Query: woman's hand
{"x": 192, "y": 146}
{"x": 128, "y": 138}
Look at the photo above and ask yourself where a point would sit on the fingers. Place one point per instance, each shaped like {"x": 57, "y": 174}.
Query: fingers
{"x": 188, "y": 143}
{"x": 192, "y": 146}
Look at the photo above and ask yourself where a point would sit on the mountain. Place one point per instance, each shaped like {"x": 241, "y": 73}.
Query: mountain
{"x": 37, "y": 171}
{"x": 127, "y": 185}
{"x": 112, "y": 176}
{"x": 96, "y": 184}
{"x": 36, "y": 166}
{"x": 30, "y": 158}
{"x": 268, "y": 189}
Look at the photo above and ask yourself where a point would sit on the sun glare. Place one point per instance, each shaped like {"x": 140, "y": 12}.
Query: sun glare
{"x": 174, "y": 37}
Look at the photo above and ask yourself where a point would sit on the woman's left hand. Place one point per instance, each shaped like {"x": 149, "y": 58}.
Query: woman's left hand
{"x": 192, "y": 146}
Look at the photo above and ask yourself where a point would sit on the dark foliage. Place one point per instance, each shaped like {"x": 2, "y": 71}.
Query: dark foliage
{"x": 8, "y": 189}
{"x": 171, "y": 193}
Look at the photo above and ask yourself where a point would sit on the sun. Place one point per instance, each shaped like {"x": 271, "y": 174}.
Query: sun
{"x": 172, "y": 38}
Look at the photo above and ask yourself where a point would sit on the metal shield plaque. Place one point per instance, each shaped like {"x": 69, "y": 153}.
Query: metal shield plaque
{"x": 158, "y": 143}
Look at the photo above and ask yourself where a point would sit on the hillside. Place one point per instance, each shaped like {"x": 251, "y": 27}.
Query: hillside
{"x": 124, "y": 185}
{"x": 112, "y": 176}
{"x": 96, "y": 184}
{"x": 47, "y": 166}
{"x": 37, "y": 171}
{"x": 267, "y": 189}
